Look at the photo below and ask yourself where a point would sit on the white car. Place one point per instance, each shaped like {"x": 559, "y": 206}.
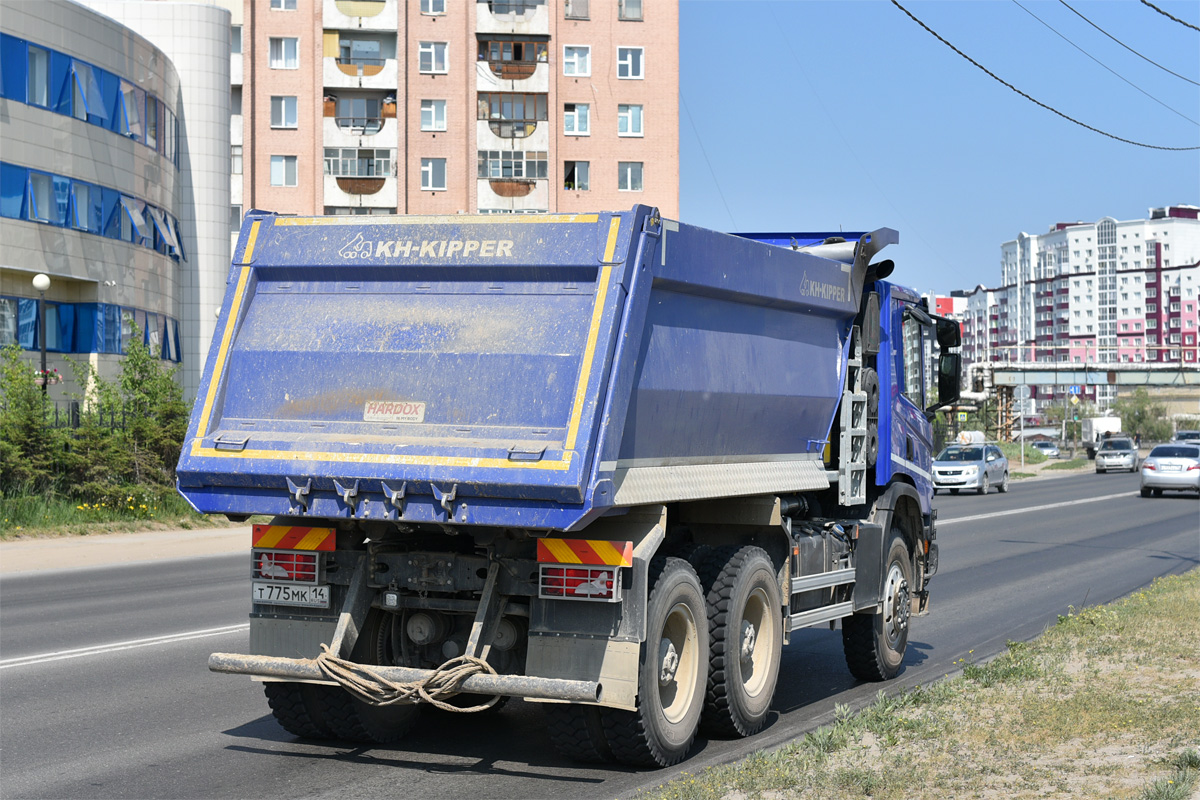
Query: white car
{"x": 1171, "y": 466}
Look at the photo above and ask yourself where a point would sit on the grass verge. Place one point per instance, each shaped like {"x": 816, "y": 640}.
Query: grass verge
{"x": 1074, "y": 463}
{"x": 38, "y": 516}
{"x": 1104, "y": 705}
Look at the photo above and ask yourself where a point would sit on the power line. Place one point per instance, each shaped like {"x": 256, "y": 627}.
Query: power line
{"x": 1036, "y": 102}
{"x": 1168, "y": 16}
{"x": 1127, "y": 47}
{"x": 704, "y": 153}
{"x": 1101, "y": 63}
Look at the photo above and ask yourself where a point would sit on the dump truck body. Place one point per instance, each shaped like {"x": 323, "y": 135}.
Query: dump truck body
{"x": 523, "y": 441}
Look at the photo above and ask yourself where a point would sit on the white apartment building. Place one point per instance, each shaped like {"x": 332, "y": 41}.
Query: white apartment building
{"x": 1108, "y": 292}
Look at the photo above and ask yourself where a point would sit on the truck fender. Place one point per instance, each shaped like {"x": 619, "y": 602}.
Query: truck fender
{"x": 899, "y": 499}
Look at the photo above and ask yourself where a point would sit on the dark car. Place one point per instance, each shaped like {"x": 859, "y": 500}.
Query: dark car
{"x": 1117, "y": 453}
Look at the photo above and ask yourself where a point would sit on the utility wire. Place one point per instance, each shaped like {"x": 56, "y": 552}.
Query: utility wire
{"x": 1168, "y": 16}
{"x": 1127, "y": 47}
{"x": 1101, "y": 63}
{"x": 1000, "y": 80}
{"x": 704, "y": 153}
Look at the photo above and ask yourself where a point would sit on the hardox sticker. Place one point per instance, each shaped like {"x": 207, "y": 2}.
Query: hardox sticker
{"x": 393, "y": 411}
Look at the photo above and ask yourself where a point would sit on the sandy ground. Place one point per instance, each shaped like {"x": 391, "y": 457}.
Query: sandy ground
{"x": 73, "y": 552}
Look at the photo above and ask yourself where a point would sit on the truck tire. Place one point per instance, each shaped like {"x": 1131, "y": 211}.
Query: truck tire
{"x": 874, "y": 644}
{"x": 351, "y": 719}
{"x": 577, "y": 732}
{"x": 745, "y": 629}
{"x": 295, "y": 707}
{"x": 672, "y": 673}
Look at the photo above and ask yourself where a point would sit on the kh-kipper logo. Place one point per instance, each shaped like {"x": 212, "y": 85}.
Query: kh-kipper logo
{"x": 361, "y": 247}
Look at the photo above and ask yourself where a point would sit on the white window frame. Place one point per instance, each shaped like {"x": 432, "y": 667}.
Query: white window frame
{"x": 576, "y": 117}
{"x": 584, "y": 185}
{"x": 433, "y": 7}
{"x": 625, "y": 174}
{"x": 283, "y": 62}
{"x": 236, "y": 165}
{"x": 431, "y": 49}
{"x": 626, "y": 117}
{"x": 432, "y": 107}
{"x": 283, "y": 109}
{"x": 283, "y": 5}
{"x": 429, "y": 176}
{"x": 625, "y": 62}
{"x": 625, "y": 15}
{"x": 283, "y": 162}
{"x": 573, "y": 65}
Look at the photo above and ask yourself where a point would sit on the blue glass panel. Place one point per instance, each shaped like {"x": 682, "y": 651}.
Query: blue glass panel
{"x": 60, "y": 82}
{"x": 12, "y": 191}
{"x": 14, "y": 67}
{"x": 27, "y": 322}
{"x": 111, "y": 332}
{"x": 66, "y": 329}
{"x": 176, "y": 355}
{"x": 62, "y": 201}
{"x": 86, "y": 321}
{"x": 95, "y": 211}
{"x": 111, "y": 214}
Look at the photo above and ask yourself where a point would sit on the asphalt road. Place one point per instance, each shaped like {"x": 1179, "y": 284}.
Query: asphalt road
{"x": 104, "y": 690}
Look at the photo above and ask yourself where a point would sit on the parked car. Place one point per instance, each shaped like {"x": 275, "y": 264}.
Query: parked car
{"x": 1171, "y": 466}
{"x": 1187, "y": 437}
{"x": 1048, "y": 449}
{"x": 970, "y": 466}
{"x": 1117, "y": 453}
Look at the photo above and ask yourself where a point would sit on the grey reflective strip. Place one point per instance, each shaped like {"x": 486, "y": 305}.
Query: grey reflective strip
{"x": 639, "y": 485}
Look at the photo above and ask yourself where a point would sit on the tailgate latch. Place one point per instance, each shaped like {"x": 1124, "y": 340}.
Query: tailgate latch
{"x": 299, "y": 495}
{"x": 230, "y": 441}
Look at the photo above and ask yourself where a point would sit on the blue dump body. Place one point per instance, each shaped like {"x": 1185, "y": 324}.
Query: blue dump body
{"x": 529, "y": 371}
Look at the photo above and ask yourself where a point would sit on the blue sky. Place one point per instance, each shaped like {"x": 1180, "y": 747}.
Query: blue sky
{"x": 846, "y": 115}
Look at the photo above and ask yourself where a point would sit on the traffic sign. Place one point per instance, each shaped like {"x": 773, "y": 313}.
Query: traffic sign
{"x": 962, "y": 416}
{"x": 1022, "y": 392}
{"x": 1073, "y": 390}
{"x": 1074, "y": 400}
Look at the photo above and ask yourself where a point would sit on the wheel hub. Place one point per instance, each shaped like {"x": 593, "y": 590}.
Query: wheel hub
{"x": 897, "y": 605}
{"x": 749, "y": 640}
{"x": 668, "y": 662}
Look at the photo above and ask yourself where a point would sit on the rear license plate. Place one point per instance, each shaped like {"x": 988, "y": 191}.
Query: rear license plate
{"x": 1170, "y": 467}
{"x": 283, "y": 594}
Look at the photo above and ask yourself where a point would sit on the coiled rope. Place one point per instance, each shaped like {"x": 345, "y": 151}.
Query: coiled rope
{"x": 369, "y": 686}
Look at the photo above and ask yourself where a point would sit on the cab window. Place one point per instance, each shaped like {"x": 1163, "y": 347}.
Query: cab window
{"x": 914, "y": 361}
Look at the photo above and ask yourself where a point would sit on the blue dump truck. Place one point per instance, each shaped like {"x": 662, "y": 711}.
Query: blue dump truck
{"x": 606, "y": 463}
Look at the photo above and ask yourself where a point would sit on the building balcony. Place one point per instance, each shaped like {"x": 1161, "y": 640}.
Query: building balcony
{"x": 364, "y": 192}
{"x": 513, "y": 194}
{"x": 360, "y": 73}
{"x": 501, "y": 135}
{"x": 360, "y": 132}
{"x": 361, "y": 15}
{"x": 512, "y": 16}
{"x": 536, "y": 79}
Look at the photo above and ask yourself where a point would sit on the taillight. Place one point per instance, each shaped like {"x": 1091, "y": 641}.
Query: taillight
{"x": 1149, "y": 465}
{"x": 1193, "y": 466}
{"x": 286, "y": 565}
{"x": 579, "y": 583}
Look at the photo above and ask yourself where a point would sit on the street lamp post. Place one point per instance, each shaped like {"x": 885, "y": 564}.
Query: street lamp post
{"x": 41, "y": 282}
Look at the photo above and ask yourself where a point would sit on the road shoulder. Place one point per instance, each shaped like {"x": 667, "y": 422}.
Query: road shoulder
{"x": 72, "y": 552}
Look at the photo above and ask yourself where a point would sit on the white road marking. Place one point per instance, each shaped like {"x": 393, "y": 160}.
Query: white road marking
{"x": 943, "y": 522}
{"x": 132, "y": 644}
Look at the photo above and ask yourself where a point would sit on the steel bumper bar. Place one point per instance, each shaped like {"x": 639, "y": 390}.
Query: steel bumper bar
{"x": 304, "y": 669}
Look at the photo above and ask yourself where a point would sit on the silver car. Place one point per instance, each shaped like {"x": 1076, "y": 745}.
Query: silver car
{"x": 1048, "y": 449}
{"x": 1117, "y": 454}
{"x": 1171, "y": 466}
{"x": 970, "y": 466}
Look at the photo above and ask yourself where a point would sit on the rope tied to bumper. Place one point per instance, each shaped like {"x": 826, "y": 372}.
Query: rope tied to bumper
{"x": 369, "y": 686}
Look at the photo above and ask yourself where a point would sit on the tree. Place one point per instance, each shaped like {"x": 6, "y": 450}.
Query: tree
{"x": 1141, "y": 416}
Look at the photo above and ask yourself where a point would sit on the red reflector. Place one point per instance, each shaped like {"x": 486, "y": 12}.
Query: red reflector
{"x": 285, "y": 565}
{"x": 580, "y": 583}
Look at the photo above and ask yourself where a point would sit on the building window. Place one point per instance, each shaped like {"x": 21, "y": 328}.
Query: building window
{"x": 629, "y": 9}
{"x": 629, "y": 176}
{"x": 577, "y": 60}
{"x": 283, "y": 170}
{"x": 629, "y": 120}
{"x": 235, "y": 159}
{"x": 351, "y": 162}
{"x": 360, "y": 52}
{"x": 357, "y": 211}
{"x": 502, "y": 164}
{"x": 235, "y": 101}
{"x": 433, "y": 6}
{"x": 575, "y": 119}
{"x": 433, "y": 115}
{"x": 359, "y": 114}
{"x": 39, "y": 77}
{"x": 283, "y": 112}
{"x": 283, "y": 5}
{"x": 235, "y": 217}
{"x": 575, "y": 176}
{"x": 575, "y": 9}
{"x": 433, "y": 174}
{"x": 629, "y": 63}
{"x": 284, "y": 53}
{"x": 432, "y": 58}
{"x": 235, "y": 39}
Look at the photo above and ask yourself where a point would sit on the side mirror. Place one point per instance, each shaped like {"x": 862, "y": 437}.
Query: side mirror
{"x": 991, "y": 457}
{"x": 949, "y": 334}
{"x": 949, "y": 375}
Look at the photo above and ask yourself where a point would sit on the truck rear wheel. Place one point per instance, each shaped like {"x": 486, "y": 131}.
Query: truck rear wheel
{"x": 295, "y": 707}
{"x": 745, "y": 628}
{"x": 874, "y": 644}
{"x": 672, "y": 674}
{"x": 578, "y": 732}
